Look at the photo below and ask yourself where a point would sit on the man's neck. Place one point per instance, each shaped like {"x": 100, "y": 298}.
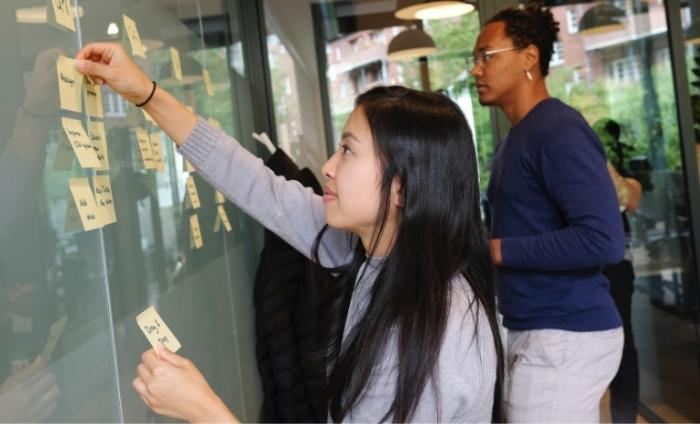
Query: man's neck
{"x": 524, "y": 101}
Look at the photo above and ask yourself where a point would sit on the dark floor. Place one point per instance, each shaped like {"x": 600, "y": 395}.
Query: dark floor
{"x": 668, "y": 357}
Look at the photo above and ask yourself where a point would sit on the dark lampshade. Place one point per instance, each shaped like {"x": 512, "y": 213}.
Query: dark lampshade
{"x": 411, "y": 44}
{"x": 600, "y": 19}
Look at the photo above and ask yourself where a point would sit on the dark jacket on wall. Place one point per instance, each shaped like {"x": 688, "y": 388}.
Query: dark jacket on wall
{"x": 286, "y": 297}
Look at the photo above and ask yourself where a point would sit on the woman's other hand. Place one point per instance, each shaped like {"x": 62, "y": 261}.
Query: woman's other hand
{"x": 171, "y": 385}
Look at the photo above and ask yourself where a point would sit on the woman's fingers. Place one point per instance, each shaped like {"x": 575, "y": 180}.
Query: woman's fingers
{"x": 143, "y": 373}
{"x": 139, "y": 386}
{"x": 108, "y": 63}
{"x": 104, "y": 51}
{"x": 170, "y": 357}
{"x": 94, "y": 69}
{"x": 150, "y": 359}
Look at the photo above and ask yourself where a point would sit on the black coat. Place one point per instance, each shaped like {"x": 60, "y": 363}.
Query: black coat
{"x": 286, "y": 297}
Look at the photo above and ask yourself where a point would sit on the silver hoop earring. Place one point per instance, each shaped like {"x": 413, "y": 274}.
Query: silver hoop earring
{"x": 528, "y": 74}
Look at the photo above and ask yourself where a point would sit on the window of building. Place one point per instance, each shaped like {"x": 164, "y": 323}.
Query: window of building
{"x": 623, "y": 70}
{"x": 572, "y": 19}
{"x": 114, "y": 105}
{"x": 557, "y": 55}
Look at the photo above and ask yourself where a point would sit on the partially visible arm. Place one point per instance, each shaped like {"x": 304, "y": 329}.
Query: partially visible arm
{"x": 288, "y": 209}
{"x": 629, "y": 190}
{"x": 573, "y": 170}
{"x": 635, "y": 188}
{"x": 496, "y": 254}
{"x": 22, "y": 161}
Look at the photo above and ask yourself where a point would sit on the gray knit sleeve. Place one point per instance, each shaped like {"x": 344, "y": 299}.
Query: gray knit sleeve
{"x": 293, "y": 212}
{"x": 17, "y": 181}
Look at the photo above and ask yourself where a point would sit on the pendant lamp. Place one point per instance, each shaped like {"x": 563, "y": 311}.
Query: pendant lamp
{"x": 432, "y": 9}
{"x": 410, "y": 44}
{"x": 600, "y": 19}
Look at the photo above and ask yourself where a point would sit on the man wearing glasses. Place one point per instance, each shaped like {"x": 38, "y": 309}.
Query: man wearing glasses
{"x": 555, "y": 223}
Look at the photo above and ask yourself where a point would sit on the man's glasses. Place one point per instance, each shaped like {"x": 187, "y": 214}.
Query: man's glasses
{"x": 483, "y": 58}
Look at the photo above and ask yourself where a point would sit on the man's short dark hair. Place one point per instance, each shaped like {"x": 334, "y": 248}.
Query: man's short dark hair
{"x": 532, "y": 24}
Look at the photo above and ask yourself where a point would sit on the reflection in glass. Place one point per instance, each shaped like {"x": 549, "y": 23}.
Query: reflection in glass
{"x": 68, "y": 297}
{"x": 624, "y": 74}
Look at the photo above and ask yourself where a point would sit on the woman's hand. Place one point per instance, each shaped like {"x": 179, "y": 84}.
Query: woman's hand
{"x": 108, "y": 63}
{"x": 171, "y": 385}
{"x": 30, "y": 395}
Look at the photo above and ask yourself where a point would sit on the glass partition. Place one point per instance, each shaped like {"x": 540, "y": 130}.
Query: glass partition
{"x": 623, "y": 72}
{"x": 74, "y": 274}
{"x": 355, "y": 37}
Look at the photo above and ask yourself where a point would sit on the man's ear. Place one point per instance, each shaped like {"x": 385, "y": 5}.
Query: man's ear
{"x": 398, "y": 195}
{"x": 532, "y": 57}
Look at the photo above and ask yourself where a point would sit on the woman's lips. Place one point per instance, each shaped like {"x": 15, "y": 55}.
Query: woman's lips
{"x": 329, "y": 194}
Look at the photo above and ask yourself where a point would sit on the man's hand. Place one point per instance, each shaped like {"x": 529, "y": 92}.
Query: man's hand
{"x": 496, "y": 252}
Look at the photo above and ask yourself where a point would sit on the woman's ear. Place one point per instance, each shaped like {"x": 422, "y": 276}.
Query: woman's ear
{"x": 398, "y": 195}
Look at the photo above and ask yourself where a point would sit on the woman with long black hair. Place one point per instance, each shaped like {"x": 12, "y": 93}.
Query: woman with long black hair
{"x": 410, "y": 323}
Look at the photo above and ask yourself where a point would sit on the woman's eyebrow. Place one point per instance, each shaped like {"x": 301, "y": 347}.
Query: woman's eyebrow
{"x": 350, "y": 137}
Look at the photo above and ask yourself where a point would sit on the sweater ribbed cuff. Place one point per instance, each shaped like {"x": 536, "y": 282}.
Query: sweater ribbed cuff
{"x": 200, "y": 142}
{"x": 509, "y": 253}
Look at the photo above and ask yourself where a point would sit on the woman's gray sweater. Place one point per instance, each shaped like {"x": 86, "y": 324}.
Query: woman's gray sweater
{"x": 466, "y": 369}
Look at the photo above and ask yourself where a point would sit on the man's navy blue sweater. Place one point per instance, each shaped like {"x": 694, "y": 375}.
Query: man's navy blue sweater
{"x": 554, "y": 206}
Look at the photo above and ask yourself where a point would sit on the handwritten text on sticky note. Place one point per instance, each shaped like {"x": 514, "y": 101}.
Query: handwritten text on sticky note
{"x": 156, "y": 331}
{"x": 70, "y": 84}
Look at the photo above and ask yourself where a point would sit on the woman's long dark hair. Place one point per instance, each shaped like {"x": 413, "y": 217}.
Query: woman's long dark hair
{"x": 424, "y": 140}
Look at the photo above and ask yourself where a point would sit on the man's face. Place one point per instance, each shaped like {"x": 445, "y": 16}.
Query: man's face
{"x": 499, "y": 73}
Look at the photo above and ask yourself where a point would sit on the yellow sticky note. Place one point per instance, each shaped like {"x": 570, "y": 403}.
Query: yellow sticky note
{"x": 220, "y": 197}
{"x": 96, "y": 131}
{"x": 222, "y": 217}
{"x": 70, "y": 84}
{"x": 209, "y": 88}
{"x": 84, "y": 202}
{"x": 104, "y": 198}
{"x": 156, "y": 331}
{"x": 54, "y": 334}
{"x": 192, "y": 193}
{"x": 60, "y": 14}
{"x": 195, "y": 233}
{"x": 132, "y": 34}
{"x": 157, "y": 152}
{"x": 28, "y": 373}
{"x": 176, "y": 66}
{"x": 93, "y": 99}
{"x": 81, "y": 143}
{"x": 215, "y": 123}
{"x": 145, "y": 148}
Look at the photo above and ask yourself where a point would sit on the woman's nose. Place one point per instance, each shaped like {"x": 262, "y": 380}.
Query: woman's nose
{"x": 328, "y": 168}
